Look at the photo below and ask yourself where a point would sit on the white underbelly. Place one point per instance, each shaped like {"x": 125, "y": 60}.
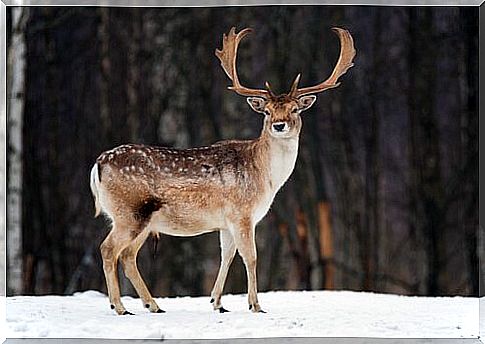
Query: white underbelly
{"x": 184, "y": 225}
{"x": 180, "y": 232}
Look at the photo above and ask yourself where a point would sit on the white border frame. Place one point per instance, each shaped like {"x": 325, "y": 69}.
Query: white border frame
{"x": 200, "y": 3}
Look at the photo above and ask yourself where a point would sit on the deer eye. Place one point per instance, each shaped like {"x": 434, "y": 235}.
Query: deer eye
{"x": 266, "y": 112}
{"x": 294, "y": 111}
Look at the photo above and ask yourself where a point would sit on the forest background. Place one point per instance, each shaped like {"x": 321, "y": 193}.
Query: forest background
{"x": 384, "y": 196}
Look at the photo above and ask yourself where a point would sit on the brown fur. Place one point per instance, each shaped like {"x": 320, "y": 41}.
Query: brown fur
{"x": 226, "y": 187}
{"x": 146, "y": 189}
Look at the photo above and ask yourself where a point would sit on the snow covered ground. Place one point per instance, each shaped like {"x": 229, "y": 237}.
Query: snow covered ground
{"x": 2, "y": 315}
{"x": 290, "y": 314}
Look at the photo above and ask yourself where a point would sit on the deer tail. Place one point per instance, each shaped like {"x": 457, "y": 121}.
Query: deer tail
{"x": 94, "y": 183}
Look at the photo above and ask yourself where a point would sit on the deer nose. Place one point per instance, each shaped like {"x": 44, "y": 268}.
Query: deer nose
{"x": 280, "y": 126}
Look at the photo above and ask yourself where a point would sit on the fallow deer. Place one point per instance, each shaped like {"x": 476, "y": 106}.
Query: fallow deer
{"x": 226, "y": 187}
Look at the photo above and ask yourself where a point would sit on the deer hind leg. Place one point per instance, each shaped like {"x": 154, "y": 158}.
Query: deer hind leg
{"x": 119, "y": 238}
{"x": 128, "y": 261}
{"x": 228, "y": 250}
{"x": 244, "y": 237}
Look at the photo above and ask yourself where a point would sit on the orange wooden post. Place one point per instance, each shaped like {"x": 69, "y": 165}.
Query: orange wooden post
{"x": 326, "y": 243}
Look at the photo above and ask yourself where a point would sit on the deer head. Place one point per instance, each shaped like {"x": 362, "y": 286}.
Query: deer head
{"x": 282, "y": 111}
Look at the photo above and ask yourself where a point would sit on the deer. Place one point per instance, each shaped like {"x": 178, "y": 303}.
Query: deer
{"x": 227, "y": 187}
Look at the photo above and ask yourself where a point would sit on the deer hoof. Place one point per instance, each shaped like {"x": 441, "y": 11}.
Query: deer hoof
{"x": 223, "y": 310}
{"x": 153, "y": 307}
{"x": 212, "y": 300}
{"x": 256, "y": 308}
{"x": 127, "y": 313}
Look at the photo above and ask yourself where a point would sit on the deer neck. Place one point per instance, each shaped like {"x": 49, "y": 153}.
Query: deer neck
{"x": 280, "y": 158}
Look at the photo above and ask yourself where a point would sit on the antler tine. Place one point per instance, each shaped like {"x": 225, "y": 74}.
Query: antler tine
{"x": 270, "y": 91}
{"x": 228, "y": 55}
{"x": 294, "y": 86}
{"x": 347, "y": 54}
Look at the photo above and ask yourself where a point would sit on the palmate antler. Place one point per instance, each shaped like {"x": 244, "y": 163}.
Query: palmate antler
{"x": 228, "y": 56}
{"x": 347, "y": 54}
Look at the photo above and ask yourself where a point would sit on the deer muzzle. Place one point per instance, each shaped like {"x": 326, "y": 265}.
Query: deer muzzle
{"x": 280, "y": 127}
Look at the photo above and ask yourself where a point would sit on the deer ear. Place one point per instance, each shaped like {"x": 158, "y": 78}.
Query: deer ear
{"x": 256, "y": 103}
{"x": 306, "y": 102}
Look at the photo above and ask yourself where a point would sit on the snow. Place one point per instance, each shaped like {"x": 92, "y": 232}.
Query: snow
{"x": 482, "y": 318}
{"x": 290, "y": 314}
{"x": 2, "y": 316}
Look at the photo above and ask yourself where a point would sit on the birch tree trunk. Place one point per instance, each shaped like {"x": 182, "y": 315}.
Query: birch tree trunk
{"x": 16, "y": 65}
{"x": 3, "y": 167}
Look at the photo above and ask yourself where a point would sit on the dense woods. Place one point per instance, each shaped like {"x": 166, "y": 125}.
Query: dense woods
{"x": 384, "y": 196}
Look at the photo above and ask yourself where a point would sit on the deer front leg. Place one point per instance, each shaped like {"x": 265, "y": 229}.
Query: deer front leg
{"x": 128, "y": 261}
{"x": 228, "y": 250}
{"x": 244, "y": 237}
{"x": 111, "y": 248}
